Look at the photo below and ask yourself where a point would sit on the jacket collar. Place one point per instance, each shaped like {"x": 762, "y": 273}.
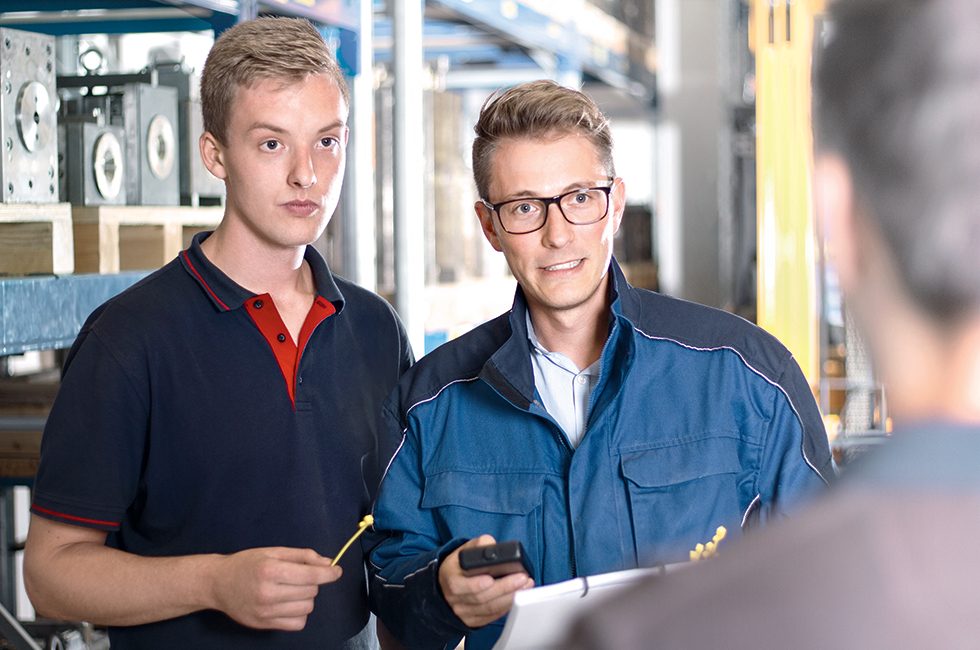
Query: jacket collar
{"x": 509, "y": 368}
{"x": 625, "y": 299}
{"x": 227, "y": 295}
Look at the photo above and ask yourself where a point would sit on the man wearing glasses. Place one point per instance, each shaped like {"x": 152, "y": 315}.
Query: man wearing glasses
{"x": 604, "y": 427}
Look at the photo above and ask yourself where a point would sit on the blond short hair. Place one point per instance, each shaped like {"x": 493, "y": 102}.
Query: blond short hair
{"x": 282, "y": 49}
{"x": 537, "y": 109}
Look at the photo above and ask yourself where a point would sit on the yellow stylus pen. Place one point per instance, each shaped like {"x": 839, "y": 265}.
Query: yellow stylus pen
{"x": 367, "y": 521}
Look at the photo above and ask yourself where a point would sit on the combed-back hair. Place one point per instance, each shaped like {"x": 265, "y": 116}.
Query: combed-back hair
{"x": 282, "y": 49}
{"x": 537, "y": 109}
{"x": 897, "y": 96}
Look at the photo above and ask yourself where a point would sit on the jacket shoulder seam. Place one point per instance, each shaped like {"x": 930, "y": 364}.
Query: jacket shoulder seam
{"x": 772, "y": 382}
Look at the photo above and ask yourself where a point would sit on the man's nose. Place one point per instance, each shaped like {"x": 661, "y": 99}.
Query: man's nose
{"x": 301, "y": 173}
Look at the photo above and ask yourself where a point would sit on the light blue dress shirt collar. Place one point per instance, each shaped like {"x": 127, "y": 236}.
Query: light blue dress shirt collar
{"x": 565, "y": 390}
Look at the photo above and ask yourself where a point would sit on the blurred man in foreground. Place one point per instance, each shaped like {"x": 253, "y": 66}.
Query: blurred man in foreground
{"x": 881, "y": 562}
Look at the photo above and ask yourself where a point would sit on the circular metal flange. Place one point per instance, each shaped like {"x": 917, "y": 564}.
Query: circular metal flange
{"x": 35, "y": 115}
{"x": 107, "y": 165}
{"x": 161, "y": 147}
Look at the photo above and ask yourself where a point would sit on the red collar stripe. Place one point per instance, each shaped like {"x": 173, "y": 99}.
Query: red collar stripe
{"x": 200, "y": 279}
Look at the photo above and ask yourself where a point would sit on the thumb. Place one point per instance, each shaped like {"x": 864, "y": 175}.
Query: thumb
{"x": 482, "y": 540}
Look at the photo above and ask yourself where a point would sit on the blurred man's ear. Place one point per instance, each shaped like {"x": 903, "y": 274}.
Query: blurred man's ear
{"x": 833, "y": 194}
{"x": 485, "y": 215}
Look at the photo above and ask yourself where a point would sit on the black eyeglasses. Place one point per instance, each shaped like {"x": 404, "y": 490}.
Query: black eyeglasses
{"x": 579, "y": 207}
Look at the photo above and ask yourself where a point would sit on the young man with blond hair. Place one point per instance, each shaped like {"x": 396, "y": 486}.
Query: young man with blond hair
{"x": 203, "y": 459}
{"x": 602, "y": 426}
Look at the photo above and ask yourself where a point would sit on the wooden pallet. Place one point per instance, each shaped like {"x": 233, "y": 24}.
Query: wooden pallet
{"x": 23, "y": 410}
{"x": 114, "y": 238}
{"x": 36, "y": 238}
{"x": 20, "y": 454}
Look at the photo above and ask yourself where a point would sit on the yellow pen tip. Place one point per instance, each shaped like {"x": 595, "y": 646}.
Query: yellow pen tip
{"x": 368, "y": 520}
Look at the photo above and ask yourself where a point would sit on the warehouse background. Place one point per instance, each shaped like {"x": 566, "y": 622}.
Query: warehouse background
{"x": 100, "y": 180}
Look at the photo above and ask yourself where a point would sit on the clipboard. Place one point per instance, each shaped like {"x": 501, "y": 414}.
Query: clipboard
{"x": 540, "y": 617}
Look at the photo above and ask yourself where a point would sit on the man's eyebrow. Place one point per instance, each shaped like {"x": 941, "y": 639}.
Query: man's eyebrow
{"x": 337, "y": 124}
{"x": 266, "y": 126}
{"x": 528, "y": 194}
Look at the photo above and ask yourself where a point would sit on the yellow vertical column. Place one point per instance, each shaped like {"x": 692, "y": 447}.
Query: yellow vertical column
{"x": 788, "y": 301}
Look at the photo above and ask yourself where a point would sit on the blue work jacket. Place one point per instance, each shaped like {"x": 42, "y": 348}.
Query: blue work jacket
{"x": 699, "y": 419}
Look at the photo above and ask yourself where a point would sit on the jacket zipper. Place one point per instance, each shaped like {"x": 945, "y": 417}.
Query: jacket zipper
{"x": 563, "y": 442}
{"x": 559, "y": 435}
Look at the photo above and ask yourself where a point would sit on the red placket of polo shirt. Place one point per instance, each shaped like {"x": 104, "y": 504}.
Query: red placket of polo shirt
{"x": 266, "y": 317}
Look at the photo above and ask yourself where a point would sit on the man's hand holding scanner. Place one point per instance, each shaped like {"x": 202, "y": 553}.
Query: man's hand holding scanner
{"x": 478, "y": 599}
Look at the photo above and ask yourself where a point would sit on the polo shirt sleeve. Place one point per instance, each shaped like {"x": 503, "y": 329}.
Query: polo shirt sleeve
{"x": 94, "y": 438}
{"x": 385, "y": 442}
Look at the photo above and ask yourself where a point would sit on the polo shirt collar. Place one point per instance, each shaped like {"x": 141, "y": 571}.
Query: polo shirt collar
{"x": 227, "y": 295}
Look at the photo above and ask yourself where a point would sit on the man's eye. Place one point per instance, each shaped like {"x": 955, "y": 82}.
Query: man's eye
{"x": 581, "y": 197}
{"x": 524, "y": 208}
{"x": 270, "y": 145}
{"x": 328, "y": 142}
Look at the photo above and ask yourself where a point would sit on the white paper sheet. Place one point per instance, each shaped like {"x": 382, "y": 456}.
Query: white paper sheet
{"x": 540, "y": 617}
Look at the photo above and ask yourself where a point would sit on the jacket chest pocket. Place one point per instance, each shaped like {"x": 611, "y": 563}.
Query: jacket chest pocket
{"x": 679, "y": 495}
{"x": 507, "y": 506}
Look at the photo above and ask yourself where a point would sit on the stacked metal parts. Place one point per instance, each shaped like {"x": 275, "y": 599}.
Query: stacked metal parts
{"x": 149, "y": 115}
{"x": 159, "y": 113}
{"x": 28, "y": 120}
{"x": 120, "y": 142}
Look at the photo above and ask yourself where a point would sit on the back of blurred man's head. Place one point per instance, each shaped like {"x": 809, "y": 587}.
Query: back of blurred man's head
{"x": 897, "y": 99}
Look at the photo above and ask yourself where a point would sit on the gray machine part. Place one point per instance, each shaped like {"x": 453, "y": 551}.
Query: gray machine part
{"x": 94, "y": 162}
{"x": 197, "y": 184}
{"x": 152, "y": 161}
{"x": 161, "y": 147}
{"x": 28, "y": 118}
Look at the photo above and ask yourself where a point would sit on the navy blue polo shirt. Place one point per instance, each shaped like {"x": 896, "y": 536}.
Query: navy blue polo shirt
{"x": 189, "y": 422}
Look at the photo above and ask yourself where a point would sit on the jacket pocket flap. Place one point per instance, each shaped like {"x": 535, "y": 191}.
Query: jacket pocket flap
{"x": 652, "y": 468}
{"x": 507, "y": 493}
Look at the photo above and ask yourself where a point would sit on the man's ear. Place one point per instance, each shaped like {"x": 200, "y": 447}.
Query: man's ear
{"x": 485, "y": 215}
{"x": 212, "y": 153}
{"x": 833, "y": 194}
